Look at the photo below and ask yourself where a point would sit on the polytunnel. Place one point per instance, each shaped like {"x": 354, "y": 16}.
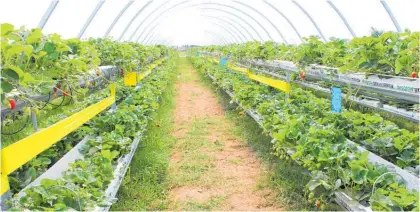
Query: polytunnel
{"x": 193, "y": 105}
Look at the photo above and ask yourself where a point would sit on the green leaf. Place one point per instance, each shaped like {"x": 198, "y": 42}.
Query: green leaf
{"x": 44, "y": 160}
{"x": 60, "y": 207}
{"x": 6, "y": 28}
{"x": 15, "y": 49}
{"x": 313, "y": 184}
{"x": 6, "y": 87}
{"x": 34, "y": 36}
{"x": 49, "y": 47}
{"x": 358, "y": 175}
{"x": 10, "y": 74}
{"x": 47, "y": 183}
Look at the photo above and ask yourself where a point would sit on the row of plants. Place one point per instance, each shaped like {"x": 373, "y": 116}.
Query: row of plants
{"x": 376, "y": 134}
{"x": 388, "y": 53}
{"x": 304, "y": 124}
{"x": 43, "y": 57}
{"x": 37, "y": 64}
{"x": 111, "y": 134}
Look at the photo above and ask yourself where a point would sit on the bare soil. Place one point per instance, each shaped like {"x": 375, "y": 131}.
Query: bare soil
{"x": 229, "y": 170}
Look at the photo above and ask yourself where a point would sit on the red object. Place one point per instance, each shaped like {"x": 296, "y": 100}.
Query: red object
{"x": 318, "y": 204}
{"x": 302, "y": 75}
{"x": 413, "y": 74}
{"x": 65, "y": 93}
{"x": 12, "y": 103}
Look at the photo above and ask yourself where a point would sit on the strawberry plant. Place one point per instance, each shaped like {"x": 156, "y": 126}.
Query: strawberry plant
{"x": 317, "y": 138}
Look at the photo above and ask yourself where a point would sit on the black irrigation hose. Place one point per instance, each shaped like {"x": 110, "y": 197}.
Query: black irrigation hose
{"x": 71, "y": 96}
{"x": 57, "y": 106}
{"x": 19, "y": 130}
{"x": 46, "y": 102}
{"x": 24, "y": 125}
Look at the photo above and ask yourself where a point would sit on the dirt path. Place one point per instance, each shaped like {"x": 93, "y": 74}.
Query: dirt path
{"x": 211, "y": 168}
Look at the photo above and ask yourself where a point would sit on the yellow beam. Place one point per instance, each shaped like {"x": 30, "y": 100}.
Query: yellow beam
{"x": 130, "y": 79}
{"x": 141, "y": 76}
{"x": 21, "y": 152}
{"x": 279, "y": 84}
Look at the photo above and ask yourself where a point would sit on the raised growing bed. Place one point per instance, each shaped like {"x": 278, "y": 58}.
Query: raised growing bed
{"x": 109, "y": 72}
{"x": 374, "y": 104}
{"x": 346, "y": 201}
{"x": 56, "y": 171}
{"x": 401, "y": 88}
{"x": 371, "y": 103}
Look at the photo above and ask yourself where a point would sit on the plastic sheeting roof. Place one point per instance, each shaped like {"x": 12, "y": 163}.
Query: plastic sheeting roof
{"x": 205, "y": 22}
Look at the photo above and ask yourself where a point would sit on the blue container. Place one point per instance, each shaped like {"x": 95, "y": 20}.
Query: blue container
{"x": 336, "y": 100}
{"x": 223, "y": 61}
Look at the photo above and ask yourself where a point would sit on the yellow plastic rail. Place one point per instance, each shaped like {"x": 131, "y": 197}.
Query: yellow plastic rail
{"x": 130, "y": 79}
{"x": 141, "y": 76}
{"x": 279, "y": 84}
{"x": 19, "y": 153}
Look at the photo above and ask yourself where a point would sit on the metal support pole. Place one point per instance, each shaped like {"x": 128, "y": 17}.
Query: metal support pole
{"x": 4, "y": 197}
{"x": 132, "y": 20}
{"x": 47, "y": 14}
{"x": 391, "y": 15}
{"x": 265, "y": 17}
{"x": 288, "y": 81}
{"x": 34, "y": 120}
{"x": 342, "y": 18}
{"x": 311, "y": 19}
{"x": 286, "y": 18}
{"x": 118, "y": 18}
{"x": 89, "y": 20}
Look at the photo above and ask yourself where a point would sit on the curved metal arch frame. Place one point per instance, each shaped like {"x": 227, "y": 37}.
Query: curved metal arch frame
{"x": 134, "y": 18}
{"x": 220, "y": 38}
{"x": 342, "y": 17}
{"x": 48, "y": 13}
{"x": 311, "y": 19}
{"x": 391, "y": 15}
{"x": 286, "y": 18}
{"x": 54, "y": 3}
{"x": 228, "y": 31}
{"x": 205, "y": 3}
{"x": 242, "y": 12}
{"x": 231, "y": 20}
{"x": 265, "y": 17}
{"x": 238, "y": 17}
{"x": 150, "y": 38}
{"x": 229, "y": 23}
{"x": 160, "y": 14}
{"x": 235, "y": 39}
{"x": 141, "y": 23}
{"x": 91, "y": 17}
{"x": 129, "y": 3}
